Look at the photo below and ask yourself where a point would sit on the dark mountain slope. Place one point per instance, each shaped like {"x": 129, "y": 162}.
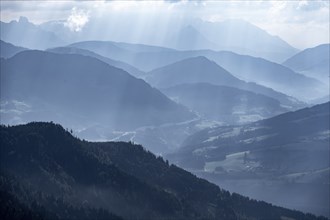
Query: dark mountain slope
{"x": 8, "y": 50}
{"x": 301, "y": 124}
{"x": 81, "y": 90}
{"x": 276, "y": 155}
{"x": 47, "y": 162}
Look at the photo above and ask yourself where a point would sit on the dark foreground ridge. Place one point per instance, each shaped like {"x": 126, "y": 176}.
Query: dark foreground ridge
{"x": 46, "y": 173}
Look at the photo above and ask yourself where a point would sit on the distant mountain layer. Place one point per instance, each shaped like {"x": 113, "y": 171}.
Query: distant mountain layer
{"x": 80, "y": 90}
{"x": 245, "y": 38}
{"x": 26, "y": 34}
{"x": 232, "y": 35}
{"x": 8, "y": 50}
{"x": 269, "y": 74}
{"x": 313, "y": 62}
{"x": 223, "y": 103}
{"x": 284, "y": 152}
{"x": 189, "y": 38}
{"x": 250, "y": 69}
{"x": 46, "y": 173}
{"x": 202, "y": 70}
{"x": 191, "y": 70}
{"x": 72, "y": 50}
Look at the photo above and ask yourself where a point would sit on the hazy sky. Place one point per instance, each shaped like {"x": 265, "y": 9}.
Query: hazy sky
{"x": 300, "y": 23}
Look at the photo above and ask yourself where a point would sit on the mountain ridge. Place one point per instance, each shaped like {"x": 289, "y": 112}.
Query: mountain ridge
{"x": 196, "y": 69}
{"x": 55, "y": 82}
{"x": 279, "y": 154}
{"x": 224, "y": 103}
{"x": 145, "y": 186}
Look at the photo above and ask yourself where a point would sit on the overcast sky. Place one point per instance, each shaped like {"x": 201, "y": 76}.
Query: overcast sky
{"x": 301, "y": 23}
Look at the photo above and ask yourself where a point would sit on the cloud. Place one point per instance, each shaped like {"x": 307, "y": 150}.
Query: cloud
{"x": 77, "y": 20}
{"x": 312, "y": 6}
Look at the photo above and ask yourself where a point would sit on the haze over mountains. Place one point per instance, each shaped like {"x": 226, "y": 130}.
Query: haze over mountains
{"x": 248, "y": 68}
{"x": 200, "y": 34}
{"x": 284, "y": 155}
{"x": 201, "y": 69}
{"x": 312, "y": 62}
{"x": 57, "y": 79}
{"x": 222, "y": 103}
{"x": 244, "y": 38}
{"x": 34, "y": 36}
{"x": 121, "y": 65}
{"x": 226, "y": 100}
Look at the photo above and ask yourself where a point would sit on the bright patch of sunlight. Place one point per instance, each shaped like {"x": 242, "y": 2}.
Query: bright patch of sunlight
{"x": 77, "y": 20}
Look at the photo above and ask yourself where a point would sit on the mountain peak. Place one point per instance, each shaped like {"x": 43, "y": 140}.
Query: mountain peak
{"x": 190, "y": 70}
{"x": 197, "y": 62}
{"x": 23, "y": 20}
{"x": 199, "y": 59}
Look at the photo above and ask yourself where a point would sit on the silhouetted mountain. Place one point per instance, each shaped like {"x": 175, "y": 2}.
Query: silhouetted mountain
{"x": 120, "y": 50}
{"x": 191, "y": 70}
{"x": 277, "y": 155}
{"x": 8, "y": 50}
{"x": 72, "y": 50}
{"x": 245, "y": 38}
{"x": 250, "y": 69}
{"x": 73, "y": 179}
{"x": 269, "y": 74}
{"x": 80, "y": 90}
{"x": 313, "y": 62}
{"x": 200, "y": 69}
{"x": 25, "y": 34}
{"x": 321, "y": 100}
{"x": 139, "y": 48}
{"x": 104, "y": 48}
{"x": 134, "y": 54}
{"x": 225, "y": 104}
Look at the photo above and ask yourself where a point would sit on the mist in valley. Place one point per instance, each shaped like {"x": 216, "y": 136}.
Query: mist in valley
{"x": 154, "y": 109}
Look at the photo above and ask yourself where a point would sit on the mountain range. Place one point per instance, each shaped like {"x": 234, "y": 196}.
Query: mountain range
{"x": 34, "y": 36}
{"x": 202, "y": 70}
{"x": 235, "y": 35}
{"x": 121, "y": 65}
{"x": 80, "y": 90}
{"x": 248, "y": 68}
{"x": 8, "y": 50}
{"x": 243, "y": 37}
{"x": 226, "y": 101}
{"x": 224, "y": 104}
{"x": 312, "y": 62}
{"x": 46, "y": 173}
{"x": 269, "y": 74}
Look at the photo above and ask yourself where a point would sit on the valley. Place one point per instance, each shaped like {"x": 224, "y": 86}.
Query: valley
{"x": 164, "y": 110}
